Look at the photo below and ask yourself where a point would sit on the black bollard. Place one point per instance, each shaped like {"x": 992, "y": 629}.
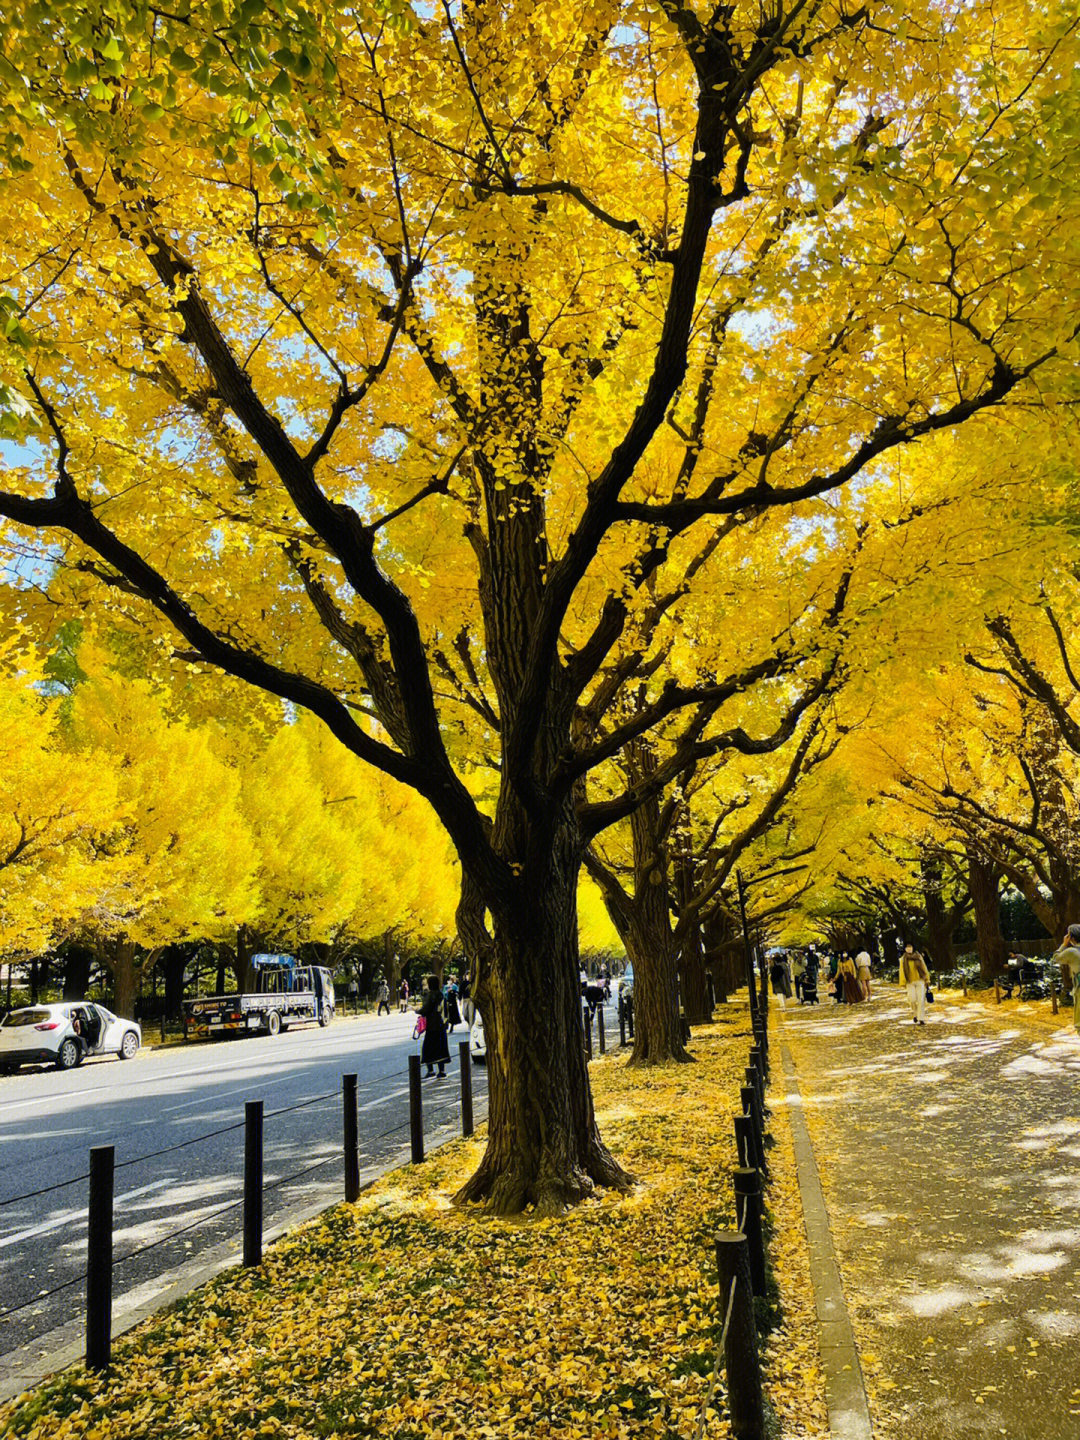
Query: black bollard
{"x": 586, "y": 1020}
{"x": 710, "y": 990}
{"x": 99, "y": 1258}
{"x": 752, "y": 1076}
{"x": 761, "y": 1035}
{"x": 757, "y": 1059}
{"x": 465, "y": 1061}
{"x": 759, "y": 1110}
{"x": 744, "y": 1140}
{"x": 601, "y": 1038}
{"x": 253, "y": 1182}
{"x": 416, "y": 1112}
{"x": 748, "y": 1096}
{"x": 352, "y": 1138}
{"x": 746, "y": 1406}
{"x": 747, "y": 1181}
{"x": 622, "y": 1028}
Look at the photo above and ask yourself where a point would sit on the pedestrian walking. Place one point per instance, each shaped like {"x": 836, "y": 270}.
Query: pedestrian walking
{"x": 798, "y": 970}
{"x": 451, "y": 1009}
{"x": 848, "y": 977}
{"x": 403, "y": 997}
{"x": 862, "y": 972}
{"x": 435, "y": 1049}
{"x": 836, "y": 980}
{"x": 1068, "y": 957}
{"x": 780, "y": 976}
{"x": 384, "y": 999}
{"x": 915, "y": 977}
{"x": 810, "y": 979}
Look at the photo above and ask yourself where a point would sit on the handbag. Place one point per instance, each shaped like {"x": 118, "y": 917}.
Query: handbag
{"x": 420, "y": 1027}
{"x": 929, "y": 995}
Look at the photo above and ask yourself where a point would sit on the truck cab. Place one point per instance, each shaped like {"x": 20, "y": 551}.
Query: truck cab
{"x": 318, "y": 981}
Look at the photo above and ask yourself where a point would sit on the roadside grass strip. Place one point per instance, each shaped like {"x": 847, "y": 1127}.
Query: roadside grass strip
{"x": 406, "y": 1317}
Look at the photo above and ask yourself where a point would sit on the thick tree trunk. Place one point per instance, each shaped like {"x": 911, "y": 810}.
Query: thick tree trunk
{"x": 544, "y": 1148}
{"x": 693, "y": 991}
{"x": 724, "y": 953}
{"x": 1065, "y": 896}
{"x": 1047, "y": 912}
{"x": 174, "y": 964}
{"x": 650, "y": 939}
{"x": 693, "y": 987}
{"x": 119, "y": 956}
{"x": 77, "y": 962}
{"x": 984, "y": 881}
{"x": 643, "y": 920}
{"x": 657, "y": 1027}
{"x": 243, "y": 969}
{"x": 939, "y": 941}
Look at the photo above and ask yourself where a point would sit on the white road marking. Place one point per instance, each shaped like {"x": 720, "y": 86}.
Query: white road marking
{"x": 136, "y": 1082}
{"x": 66, "y": 1216}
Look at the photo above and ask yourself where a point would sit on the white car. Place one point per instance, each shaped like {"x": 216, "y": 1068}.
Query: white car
{"x": 63, "y": 1035}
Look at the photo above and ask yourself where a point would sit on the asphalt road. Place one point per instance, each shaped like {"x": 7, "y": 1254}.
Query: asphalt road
{"x": 173, "y": 1206}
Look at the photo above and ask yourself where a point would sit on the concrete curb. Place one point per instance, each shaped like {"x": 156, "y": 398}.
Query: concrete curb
{"x": 26, "y": 1368}
{"x": 845, "y": 1392}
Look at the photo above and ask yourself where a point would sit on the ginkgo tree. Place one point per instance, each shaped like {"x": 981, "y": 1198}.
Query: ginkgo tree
{"x": 52, "y": 813}
{"x": 175, "y": 857}
{"x": 403, "y": 359}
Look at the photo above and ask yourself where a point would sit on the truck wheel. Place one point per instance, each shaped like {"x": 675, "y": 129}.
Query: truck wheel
{"x": 273, "y": 1023}
{"x": 324, "y": 1016}
{"x": 69, "y": 1055}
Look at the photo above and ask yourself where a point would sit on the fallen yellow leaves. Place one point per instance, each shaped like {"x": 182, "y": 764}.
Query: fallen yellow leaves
{"x": 402, "y": 1316}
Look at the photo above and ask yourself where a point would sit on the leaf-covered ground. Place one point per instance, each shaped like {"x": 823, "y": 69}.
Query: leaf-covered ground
{"x": 950, "y": 1159}
{"x": 404, "y": 1317}
{"x": 1037, "y": 1015}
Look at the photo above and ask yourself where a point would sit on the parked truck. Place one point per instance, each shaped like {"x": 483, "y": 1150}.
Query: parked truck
{"x": 285, "y": 994}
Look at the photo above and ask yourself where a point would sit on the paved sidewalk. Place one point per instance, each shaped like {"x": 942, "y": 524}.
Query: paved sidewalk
{"x": 950, "y": 1159}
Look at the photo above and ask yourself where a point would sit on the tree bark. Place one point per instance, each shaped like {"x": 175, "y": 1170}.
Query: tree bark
{"x": 544, "y": 1148}
{"x": 984, "y": 878}
{"x": 723, "y": 953}
{"x": 245, "y": 948}
{"x": 643, "y": 920}
{"x": 174, "y": 964}
{"x": 939, "y": 921}
{"x": 77, "y": 962}
{"x": 119, "y": 956}
{"x": 693, "y": 991}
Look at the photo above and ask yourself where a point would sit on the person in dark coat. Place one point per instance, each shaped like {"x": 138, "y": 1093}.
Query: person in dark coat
{"x": 451, "y": 1009}
{"x": 435, "y": 1049}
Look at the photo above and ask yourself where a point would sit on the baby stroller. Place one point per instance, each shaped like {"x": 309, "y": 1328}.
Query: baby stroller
{"x": 1034, "y": 984}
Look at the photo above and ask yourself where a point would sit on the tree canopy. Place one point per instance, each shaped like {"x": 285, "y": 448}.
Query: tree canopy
{"x": 458, "y": 375}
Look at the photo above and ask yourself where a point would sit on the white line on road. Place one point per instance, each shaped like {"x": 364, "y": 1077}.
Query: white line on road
{"x": 322, "y": 1041}
{"x": 66, "y": 1216}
